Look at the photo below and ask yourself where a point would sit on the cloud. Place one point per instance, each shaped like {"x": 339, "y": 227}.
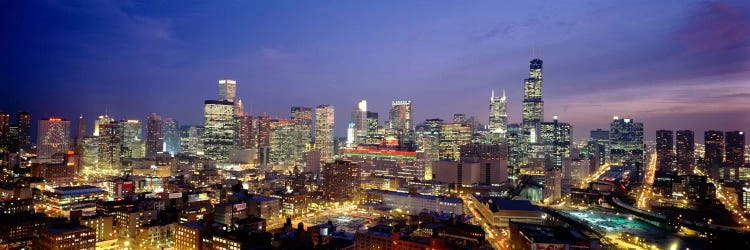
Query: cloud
{"x": 665, "y": 99}
{"x": 715, "y": 26}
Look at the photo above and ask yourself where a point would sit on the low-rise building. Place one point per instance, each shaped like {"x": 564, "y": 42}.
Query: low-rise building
{"x": 414, "y": 203}
{"x": 61, "y": 200}
{"x": 501, "y": 211}
{"x": 535, "y": 236}
{"x": 65, "y": 236}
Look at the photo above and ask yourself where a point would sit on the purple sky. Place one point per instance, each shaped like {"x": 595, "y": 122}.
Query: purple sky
{"x": 672, "y": 64}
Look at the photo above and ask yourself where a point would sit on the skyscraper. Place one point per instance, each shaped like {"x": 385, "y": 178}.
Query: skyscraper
{"x": 452, "y": 136}
{"x": 247, "y": 132}
{"x": 498, "y": 124}
{"x": 219, "y": 129}
{"x": 324, "y": 120}
{"x": 131, "y": 132}
{"x": 359, "y": 118}
{"x": 713, "y": 157}
{"x": 664, "y": 150}
{"x": 190, "y": 140}
{"x": 533, "y": 106}
{"x": 400, "y": 121}
{"x": 171, "y": 136}
{"x": 80, "y": 131}
{"x": 626, "y": 141}
{"x": 556, "y": 138}
{"x": 4, "y": 131}
{"x": 282, "y": 144}
{"x": 373, "y": 125}
{"x": 600, "y": 146}
{"x": 341, "y": 180}
{"x": 154, "y": 135}
{"x": 303, "y": 128}
{"x": 24, "y": 130}
{"x": 685, "y": 151}
{"x": 735, "y": 154}
{"x": 227, "y": 90}
{"x": 53, "y": 137}
{"x": 102, "y": 119}
{"x": 110, "y": 146}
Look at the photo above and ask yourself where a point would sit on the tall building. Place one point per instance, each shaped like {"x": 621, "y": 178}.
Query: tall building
{"x": 102, "y": 119}
{"x": 24, "y": 130}
{"x": 53, "y": 137}
{"x": 685, "y": 151}
{"x": 171, "y": 136}
{"x": 282, "y": 144}
{"x": 359, "y": 118}
{"x": 552, "y": 185}
{"x": 14, "y": 145}
{"x": 533, "y": 106}
{"x": 341, "y": 179}
{"x": 664, "y": 150}
{"x": 303, "y": 128}
{"x": 400, "y": 121}
{"x": 516, "y": 150}
{"x": 227, "y": 90}
{"x": 110, "y": 146}
{"x": 4, "y": 131}
{"x": 80, "y": 131}
{"x": 735, "y": 154}
{"x": 626, "y": 141}
{"x": 599, "y": 146}
{"x": 713, "y": 157}
{"x": 498, "y": 124}
{"x": 154, "y": 135}
{"x": 374, "y": 135}
{"x": 190, "y": 140}
{"x": 247, "y": 132}
{"x": 557, "y": 140}
{"x": 131, "y": 139}
{"x": 324, "y": 121}
{"x": 219, "y": 129}
{"x": 452, "y": 137}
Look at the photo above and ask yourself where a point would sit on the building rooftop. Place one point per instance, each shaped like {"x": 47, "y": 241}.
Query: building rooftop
{"x": 496, "y": 204}
{"x": 261, "y": 198}
{"x": 196, "y": 224}
{"x": 73, "y": 190}
{"x": 417, "y": 196}
{"x": 65, "y": 228}
{"x": 550, "y": 234}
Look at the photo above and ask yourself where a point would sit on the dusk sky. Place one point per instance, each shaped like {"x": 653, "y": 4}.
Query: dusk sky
{"x": 671, "y": 64}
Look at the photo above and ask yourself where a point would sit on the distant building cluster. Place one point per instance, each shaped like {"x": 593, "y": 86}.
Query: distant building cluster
{"x": 243, "y": 181}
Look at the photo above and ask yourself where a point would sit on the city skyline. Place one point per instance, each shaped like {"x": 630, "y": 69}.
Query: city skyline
{"x": 336, "y": 124}
{"x": 456, "y": 57}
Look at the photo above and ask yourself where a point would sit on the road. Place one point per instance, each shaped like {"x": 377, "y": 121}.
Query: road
{"x": 645, "y": 191}
{"x": 739, "y": 216}
{"x": 497, "y": 238}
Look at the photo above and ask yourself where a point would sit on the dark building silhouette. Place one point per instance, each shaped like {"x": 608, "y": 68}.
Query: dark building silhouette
{"x": 735, "y": 153}
{"x": 685, "y": 151}
{"x": 664, "y": 150}
{"x": 714, "y": 152}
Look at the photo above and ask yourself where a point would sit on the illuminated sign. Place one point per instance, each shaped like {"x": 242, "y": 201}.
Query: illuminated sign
{"x": 239, "y": 207}
{"x": 175, "y": 195}
{"x": 198, "y": 197}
